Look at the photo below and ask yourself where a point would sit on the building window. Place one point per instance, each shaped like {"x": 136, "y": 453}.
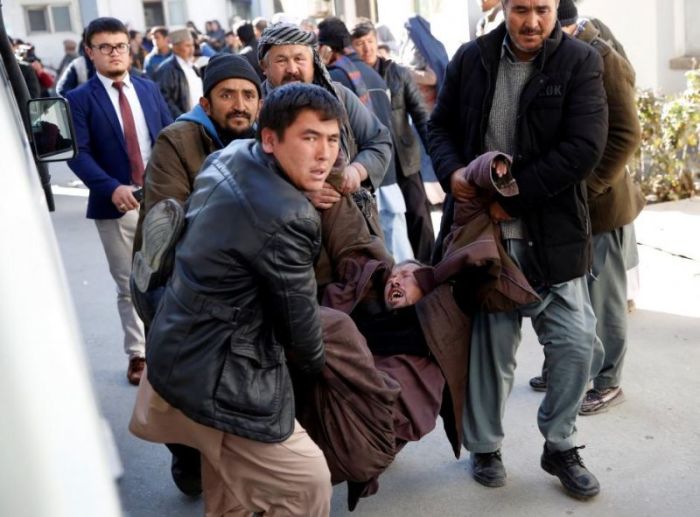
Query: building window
{"x": 241, "y": 8}
{"x": 168, "y": 13}
{"x": 177, "y": 14}
{"x": 154, "y": 14}
{"x": 48, "y": 19}
{"x": 691, "y": 51}
{"x": 61, "y": 18}
{"x": 37, "y": 19}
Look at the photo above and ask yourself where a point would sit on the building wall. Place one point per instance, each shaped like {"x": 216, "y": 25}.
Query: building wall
{"x": 49, "y": 46}
{"x": 652, "y": 34}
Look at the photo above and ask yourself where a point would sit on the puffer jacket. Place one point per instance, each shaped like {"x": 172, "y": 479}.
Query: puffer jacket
{"x": 241, "y": 301}
{"x": 560, "y": 135}
{"x": 406, "y": 100}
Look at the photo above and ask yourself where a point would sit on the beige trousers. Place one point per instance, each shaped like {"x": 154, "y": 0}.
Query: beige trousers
{"x": 241, "y": 476}
{"x": 290, "y": 478}
{"x": 117, "y": 236}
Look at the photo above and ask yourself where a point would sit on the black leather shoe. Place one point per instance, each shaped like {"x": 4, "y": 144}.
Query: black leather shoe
{"x": 488, "y": 469}
{"x": 573, "y": 474}
{"x": 538, "y": 383}
{"x": 186, "y": 469}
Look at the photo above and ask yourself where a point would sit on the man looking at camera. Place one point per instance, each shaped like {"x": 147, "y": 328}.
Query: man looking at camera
{"x": 227, "y": 111}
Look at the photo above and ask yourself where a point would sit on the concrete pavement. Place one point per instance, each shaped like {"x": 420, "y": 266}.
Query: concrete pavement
{"x": 644, "y": 451}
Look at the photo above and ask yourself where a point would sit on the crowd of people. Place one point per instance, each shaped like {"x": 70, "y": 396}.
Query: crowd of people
{"x": 289, "y": 315}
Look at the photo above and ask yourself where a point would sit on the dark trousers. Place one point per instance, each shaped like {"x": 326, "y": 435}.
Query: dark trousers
{"x": 420, "y": 225}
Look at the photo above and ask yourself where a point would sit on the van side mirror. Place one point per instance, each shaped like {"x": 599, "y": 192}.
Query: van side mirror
{"x": 52, "y": 129}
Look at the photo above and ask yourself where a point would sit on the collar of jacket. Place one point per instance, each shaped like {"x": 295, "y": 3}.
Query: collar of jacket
{"x": 588, "y": 33}
{"x": 199, "y": 116}
{"x": 382, "y": 66}
{"x": 491, "y": 46}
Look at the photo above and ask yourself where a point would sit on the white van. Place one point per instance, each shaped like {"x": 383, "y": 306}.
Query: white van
{"x": 53, "y": 450}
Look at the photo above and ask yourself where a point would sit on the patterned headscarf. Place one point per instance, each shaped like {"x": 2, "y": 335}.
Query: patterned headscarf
{"x": 284, "y": 33}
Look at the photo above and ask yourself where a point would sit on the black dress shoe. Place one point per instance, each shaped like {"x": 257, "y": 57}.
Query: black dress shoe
{"x": 488, "y": 469}
{"x": 573, "y": 474}
{"x": 538, "y": 383}
{"x": 186, "y": 469}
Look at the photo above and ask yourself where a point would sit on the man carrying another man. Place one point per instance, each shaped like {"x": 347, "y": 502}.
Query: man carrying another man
{"x": 227, "y": 111}
{"x": 240, "y": 307}
{"x": 527, "y": 90}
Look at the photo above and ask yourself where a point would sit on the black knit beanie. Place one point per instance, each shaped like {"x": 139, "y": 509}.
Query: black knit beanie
{"x": 567, "y": 12}
{"x": 229, "y": 66}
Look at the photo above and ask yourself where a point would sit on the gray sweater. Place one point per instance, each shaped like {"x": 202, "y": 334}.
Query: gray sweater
{"x": 513, "y": 75}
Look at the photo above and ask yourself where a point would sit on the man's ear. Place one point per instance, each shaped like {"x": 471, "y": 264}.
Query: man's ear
{"x": 89, "y": 52}
{"x": 206, "y": 106}
{"x": 268, "y": 139}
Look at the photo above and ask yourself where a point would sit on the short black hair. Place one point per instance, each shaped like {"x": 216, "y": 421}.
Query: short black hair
{"x": 333, "y": 32}
{"x": 104, "y": 24}
{"x": 283, "y": 105}
{"x": 245, "y": 32}
{"x": 363, "y": 28}
{"x": 163, "y": 31}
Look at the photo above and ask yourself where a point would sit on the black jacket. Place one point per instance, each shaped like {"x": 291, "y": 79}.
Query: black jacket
{"x": 377, "y": 90}
{"x": 406, "y": 100}
{"x": 173, "y": 85}
{"x": 561, "y": 131}
{"x": 241, "y": 300}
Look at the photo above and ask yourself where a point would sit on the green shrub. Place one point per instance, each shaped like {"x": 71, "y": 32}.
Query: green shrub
{"x": 667, "y": 164}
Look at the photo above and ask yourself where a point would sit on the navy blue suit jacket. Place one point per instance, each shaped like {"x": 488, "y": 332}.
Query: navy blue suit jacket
{"x": 102, "y": 162}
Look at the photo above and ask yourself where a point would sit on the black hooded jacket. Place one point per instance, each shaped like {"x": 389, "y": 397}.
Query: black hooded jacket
{"x": 561, "y": 131}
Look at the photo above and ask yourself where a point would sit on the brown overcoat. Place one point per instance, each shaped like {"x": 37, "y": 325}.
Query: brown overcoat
{"x": 614, "y": 200}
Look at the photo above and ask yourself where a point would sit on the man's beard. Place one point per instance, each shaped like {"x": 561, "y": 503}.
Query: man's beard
{"x": 228, "y": 135}
{"x": 116, "y": 74}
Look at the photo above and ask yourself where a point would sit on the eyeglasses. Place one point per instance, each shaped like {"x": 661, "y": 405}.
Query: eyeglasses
{"x": 106, "y": 49}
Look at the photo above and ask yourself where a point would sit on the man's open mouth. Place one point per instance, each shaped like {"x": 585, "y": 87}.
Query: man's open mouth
{"x": 396, "y": 294}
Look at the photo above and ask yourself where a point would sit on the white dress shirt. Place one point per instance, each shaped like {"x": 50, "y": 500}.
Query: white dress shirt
{"x": 139, "y": 119}
{"x": 193, "y": 81}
